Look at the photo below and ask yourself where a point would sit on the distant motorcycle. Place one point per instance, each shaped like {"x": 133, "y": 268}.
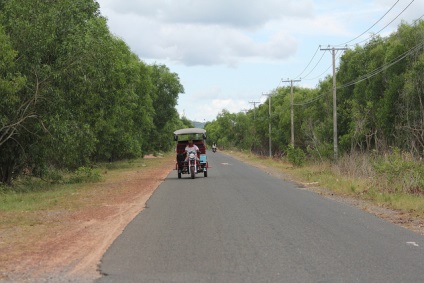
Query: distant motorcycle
{"x": 213, "y": 148}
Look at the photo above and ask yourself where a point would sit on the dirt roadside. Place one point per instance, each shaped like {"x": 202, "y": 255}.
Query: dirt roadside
{"x": 68, "y": 246}
{"x": 71, "y": 244}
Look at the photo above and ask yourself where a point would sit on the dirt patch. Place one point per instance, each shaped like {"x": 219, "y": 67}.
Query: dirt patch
{"x": 66, "y": 246}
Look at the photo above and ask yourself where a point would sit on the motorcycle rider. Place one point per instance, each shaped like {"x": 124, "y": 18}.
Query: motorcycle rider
{"x": 214, "y": 147}
{"x": 191, "y": 147}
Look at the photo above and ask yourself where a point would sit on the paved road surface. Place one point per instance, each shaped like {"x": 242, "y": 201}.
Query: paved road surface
{"x": 241, "y": 225}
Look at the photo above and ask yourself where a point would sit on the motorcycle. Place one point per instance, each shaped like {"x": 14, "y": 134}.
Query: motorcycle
{"x": 192, "y": 163}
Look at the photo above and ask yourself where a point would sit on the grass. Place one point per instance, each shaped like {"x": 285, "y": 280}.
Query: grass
{"x": 29, "y": 198}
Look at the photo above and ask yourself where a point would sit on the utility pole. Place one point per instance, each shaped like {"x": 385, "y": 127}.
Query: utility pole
{"x": 254, "y": 108}
{"x": 269, "y": 124}
{"x": 335, "y": 138}
{"x": 254, "y": 123}
{"x": 291, "y": 108}
{"x": 269, "y": 128}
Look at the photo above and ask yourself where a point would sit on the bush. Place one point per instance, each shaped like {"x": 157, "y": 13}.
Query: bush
{"x": 321, "y": 152}
{"x": 401, "y": 171}
{"x": 84, "y": 174}
{"x": 296, "y": 156}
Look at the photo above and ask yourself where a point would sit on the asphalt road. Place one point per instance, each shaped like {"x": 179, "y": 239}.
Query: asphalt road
{"x": 242, "y": 225}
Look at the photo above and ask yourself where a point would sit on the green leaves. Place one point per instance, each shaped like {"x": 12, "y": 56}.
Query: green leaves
{"x": 72, "y": 93}
{"x": 380, "y": 104}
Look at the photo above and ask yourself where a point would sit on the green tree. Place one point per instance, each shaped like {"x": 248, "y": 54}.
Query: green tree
{"x": 166, "y": 89}
{"x": 13, "y": 115}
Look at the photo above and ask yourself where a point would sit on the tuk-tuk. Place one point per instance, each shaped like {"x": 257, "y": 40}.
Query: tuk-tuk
{"x": 191, "y": 162}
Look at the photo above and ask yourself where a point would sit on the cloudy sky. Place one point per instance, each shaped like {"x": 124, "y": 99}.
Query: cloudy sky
{"x": 230, "y": 53}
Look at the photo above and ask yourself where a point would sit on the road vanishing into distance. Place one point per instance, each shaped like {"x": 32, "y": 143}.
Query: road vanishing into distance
{"x": 241, "y": 224}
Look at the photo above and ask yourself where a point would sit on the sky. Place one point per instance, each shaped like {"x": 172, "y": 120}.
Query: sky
{"x": 229, "y": 54}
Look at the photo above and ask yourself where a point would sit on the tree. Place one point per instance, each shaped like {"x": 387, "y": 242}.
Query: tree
{"x": 166, "y": 89}
{"x": 13, "y": 114}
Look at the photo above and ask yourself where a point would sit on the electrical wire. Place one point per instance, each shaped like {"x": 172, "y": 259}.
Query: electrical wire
{"x": 375, "y": 72}
{"x": 326, "y": 70}
{"x": 368, "y": 75}
{"x": 371, "y": 26}
{"x": 387, "y": 24}
{"x": 305, "y": 77}
{"x": 310, "y": 100}
{"x": 314, "y": 66}
{"x": 298, "y": 76}
{"x": 382, "y": 68}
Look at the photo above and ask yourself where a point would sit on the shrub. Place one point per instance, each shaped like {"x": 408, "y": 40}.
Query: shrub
{"x": 296, "y": 156}
{"x": 401, "y": 172}
{"x": 84, "y": 174}
{"x": 321, "y": 152}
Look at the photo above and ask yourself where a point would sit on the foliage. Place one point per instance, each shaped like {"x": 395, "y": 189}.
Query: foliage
{"x": 186, "y": 123}
{"x": 380, "y": 104}
{"x": 84, "y": 174}
{"x": 400, "y": 172}
{"x": 230, "y": 131}
{"x": 73, "y": 93}
{"x": 296, "y": 156}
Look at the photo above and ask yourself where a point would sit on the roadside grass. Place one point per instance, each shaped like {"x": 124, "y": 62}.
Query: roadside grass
{"x": 357, "y": 177}
{"x": 30, "y": 198}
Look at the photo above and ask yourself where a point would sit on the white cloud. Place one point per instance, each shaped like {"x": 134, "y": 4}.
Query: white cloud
{"x": 228, "y": 51}
{"x": 213, "y": 108}
{"x": 220, "y": 33}
{"x": 246, "y": 13}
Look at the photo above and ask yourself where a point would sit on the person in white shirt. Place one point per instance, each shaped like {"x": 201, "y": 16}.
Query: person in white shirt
{"x": 191, "y": 147}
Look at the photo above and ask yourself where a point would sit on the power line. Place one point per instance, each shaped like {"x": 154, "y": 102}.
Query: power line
{"x": 371, "y": 26}
{"x": 310, "y": 100}
{"x": 382, "y": 68}
{"x": 314, "y": 66}
{"x": 298, "y": 76}
{"x": 320, "y": 75}
{"x": 388, "y": 23}
{"x": 385, "y": 14}
{"x": 306, "y": 76}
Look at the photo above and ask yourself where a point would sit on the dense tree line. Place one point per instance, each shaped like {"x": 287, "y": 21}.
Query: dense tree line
{"x": 380, "y": 105}
{"x": 71, "y": 93}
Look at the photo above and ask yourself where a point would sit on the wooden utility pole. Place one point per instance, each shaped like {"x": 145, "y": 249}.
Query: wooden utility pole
{"x": 254, "y": 108}
{"x": 254, "y": 123}
{"x": 269, "y": 128}
{"x": 291, "y": 108}
{"x": 335, "y": 138}
{"x": 269, "y": 125}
